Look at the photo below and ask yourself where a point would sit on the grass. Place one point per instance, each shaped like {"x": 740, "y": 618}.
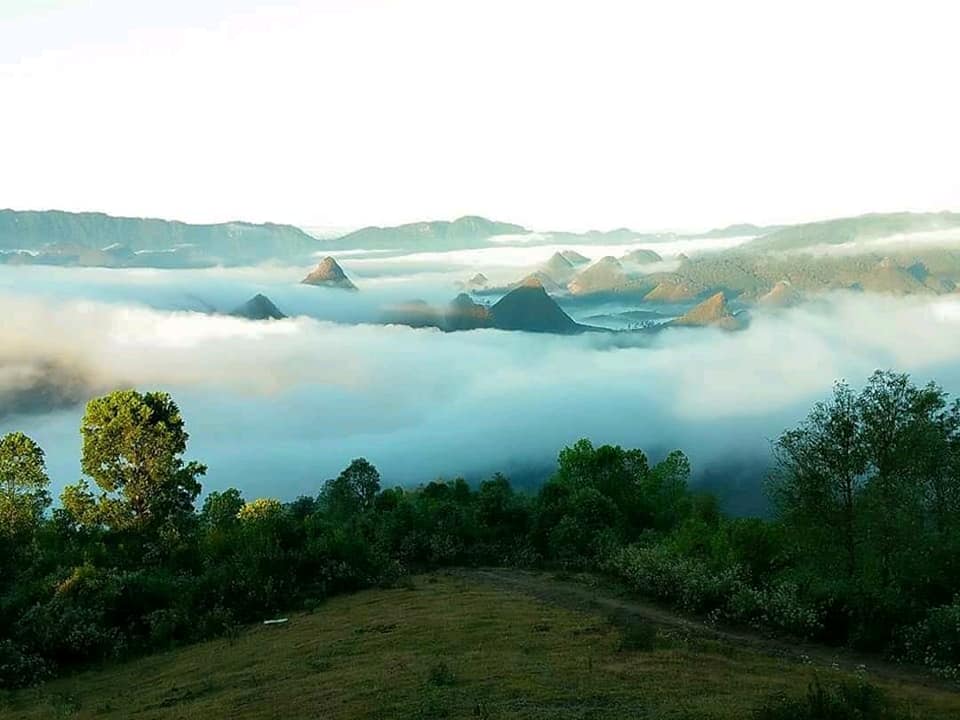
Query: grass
{"x": 453, "y": 648}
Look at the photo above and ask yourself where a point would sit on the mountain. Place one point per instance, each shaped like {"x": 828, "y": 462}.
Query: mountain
{"x": 259, "y": 307}
{"x": 642, "y": 256}
{"x": 465, "y": 314}
{"x": 853, "y": 229}
{"x": 329, "y": 274}
{"x": 559, "y": 269}
{"x": 530, "y": 308}
{"x": 740, "y": 230}
{"x": 711, "y": 312}
{"x": 783, "y": 294}
{"x": 466, "y": 232}
{"x": 604, "y": 275}
{"x": 575, "y": 258}
{"x": 672, "y": 290}
{"x": 888, "y": 276}
{"x": 54, "y": 237}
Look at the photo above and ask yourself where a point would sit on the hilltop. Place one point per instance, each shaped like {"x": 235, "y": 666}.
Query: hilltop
{"x": 329, "y": 274}
{"x": 531, "y": 309}
{"x": 259, "y": 307}
{"x": 712, "y": 312}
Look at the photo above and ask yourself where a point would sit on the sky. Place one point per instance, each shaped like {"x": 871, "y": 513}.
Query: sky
{"x": 556, "y": 115}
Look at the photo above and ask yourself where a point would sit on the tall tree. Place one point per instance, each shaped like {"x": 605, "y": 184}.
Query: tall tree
{"x": 133, "y": 446}
{"x": 353, "y": 491}
{"x": 818, "y": 476}
{"x": 24, "y": 485}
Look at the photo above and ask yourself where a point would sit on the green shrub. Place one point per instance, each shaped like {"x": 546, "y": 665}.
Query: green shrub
{"x": 19, "y": 668}
{"x": 935, "y": 641}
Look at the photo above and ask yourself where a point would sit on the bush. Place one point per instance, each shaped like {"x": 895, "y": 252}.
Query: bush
{"x": 725, "y": 592}
{"x": 844, "y": 701}
{"x": 935, "y": 641}
{"x": 19, "y": 668}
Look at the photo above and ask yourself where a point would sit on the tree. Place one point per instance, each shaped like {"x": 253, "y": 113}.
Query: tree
{"x": 818, "y": 475}
{"x": 24, "y": 485}
{"x": 353, "y": 491}
{"x": 133, "y": 445}
{"x": 664, "y": 491}
{"x": 221, "y": 509}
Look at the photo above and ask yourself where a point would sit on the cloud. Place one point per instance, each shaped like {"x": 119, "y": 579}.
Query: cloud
{"x": 275, "y": 408}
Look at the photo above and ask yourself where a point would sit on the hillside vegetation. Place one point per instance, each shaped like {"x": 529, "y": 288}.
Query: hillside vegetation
{"x": 449, "y": 645}
{"x": 861, "y": 554}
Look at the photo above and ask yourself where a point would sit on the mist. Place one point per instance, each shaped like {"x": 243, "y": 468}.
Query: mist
{"x": 274, "y": 408}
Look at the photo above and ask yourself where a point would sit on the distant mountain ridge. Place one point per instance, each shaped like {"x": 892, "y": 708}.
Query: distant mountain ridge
{"x": 465, "y": 232}
{"x": 837, "y": 231}
{"x": 57, "y": 237}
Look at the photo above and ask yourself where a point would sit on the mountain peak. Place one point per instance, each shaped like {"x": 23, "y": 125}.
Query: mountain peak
{"x": 329, "y": 274}
{"x": 530, "y": 308}
{"x": 259, "y": 307}
{"x": 711, "y": 312}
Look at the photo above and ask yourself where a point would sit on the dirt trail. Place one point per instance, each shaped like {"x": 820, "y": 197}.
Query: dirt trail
{"x": 595, "y": 598}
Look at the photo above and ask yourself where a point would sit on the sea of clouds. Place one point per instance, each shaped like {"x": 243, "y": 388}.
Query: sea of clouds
{"x": 275, "y": 408}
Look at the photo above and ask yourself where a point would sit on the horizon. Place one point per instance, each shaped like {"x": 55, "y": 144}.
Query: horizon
{"x": 346, "y": 230}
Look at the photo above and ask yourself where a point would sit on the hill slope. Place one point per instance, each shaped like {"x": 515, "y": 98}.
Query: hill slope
{"x": 459, "y": 646}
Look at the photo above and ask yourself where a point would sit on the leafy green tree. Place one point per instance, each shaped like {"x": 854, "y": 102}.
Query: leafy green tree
{"x": 220, "y": 509}
{"x": 820, "y": 470}
{"x": 24, "y": 485}
{"x": 664, "y": 491}
{"x": 260, "y": 510}
{"x": 353, "y": 491}
{"x": 133, "y": 446}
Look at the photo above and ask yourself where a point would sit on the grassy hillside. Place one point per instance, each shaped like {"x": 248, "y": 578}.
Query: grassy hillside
{"x": 457, "y": 645}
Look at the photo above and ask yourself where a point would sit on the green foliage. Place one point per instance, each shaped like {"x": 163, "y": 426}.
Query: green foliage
{"x": 353, "y": 491}
{"x": 132, "y": 448}
{"x": 863, "y": 550}
{"x": 222, "y": 509}
{"x": 23, "y": 485}
{"x": 935, "y": 640}
{"x": 261, "y": 510}
{"x": 867, "y": 490}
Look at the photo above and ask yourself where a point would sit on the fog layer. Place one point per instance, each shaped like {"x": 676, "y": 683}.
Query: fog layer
{"x": 276, "y": 407}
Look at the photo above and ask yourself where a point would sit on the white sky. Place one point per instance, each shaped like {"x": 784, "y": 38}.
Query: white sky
{"x": 553, "y": 114}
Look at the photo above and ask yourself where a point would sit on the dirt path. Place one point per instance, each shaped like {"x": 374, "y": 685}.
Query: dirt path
{"x": 580, "y": 595}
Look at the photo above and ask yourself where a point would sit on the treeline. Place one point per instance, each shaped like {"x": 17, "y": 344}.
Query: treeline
{"x": 864, "y": 549}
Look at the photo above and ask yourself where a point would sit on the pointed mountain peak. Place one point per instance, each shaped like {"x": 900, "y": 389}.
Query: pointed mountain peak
{"x": 712, "y": 311}
{"x": 329, "y": 274}
{"x": 259, "y": 307}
